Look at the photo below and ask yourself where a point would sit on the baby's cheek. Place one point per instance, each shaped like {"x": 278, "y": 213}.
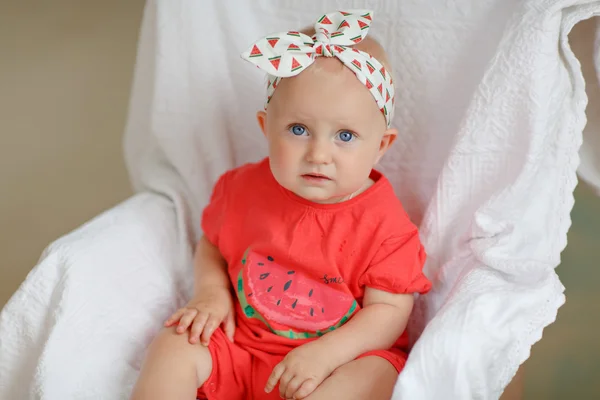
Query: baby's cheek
{"x": 278, "y": 168}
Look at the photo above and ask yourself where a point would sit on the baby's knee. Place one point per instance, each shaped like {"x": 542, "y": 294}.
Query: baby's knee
{"x": 172, "y": 365}
{"x": 169, "y": 344}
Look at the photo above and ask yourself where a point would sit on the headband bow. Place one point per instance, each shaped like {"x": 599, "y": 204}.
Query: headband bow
{"x": 287, "y": 54}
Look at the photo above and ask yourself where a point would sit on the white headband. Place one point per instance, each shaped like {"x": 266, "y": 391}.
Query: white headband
{"x": 287, "y": 54}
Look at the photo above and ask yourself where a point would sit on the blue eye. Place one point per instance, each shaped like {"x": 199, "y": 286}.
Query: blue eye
{"x": 298, "y": 130}
{"x": 346, "y": 136}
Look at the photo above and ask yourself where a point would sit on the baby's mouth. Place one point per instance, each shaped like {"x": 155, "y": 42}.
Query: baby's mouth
{"x": 316, "y": 176}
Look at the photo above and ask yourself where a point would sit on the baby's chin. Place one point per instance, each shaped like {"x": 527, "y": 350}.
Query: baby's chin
{"x": 319, "y": 196}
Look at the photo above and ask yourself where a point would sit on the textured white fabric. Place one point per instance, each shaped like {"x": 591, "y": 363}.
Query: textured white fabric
{"x": 490, "y": 106}
{"x": 77, "y": 328}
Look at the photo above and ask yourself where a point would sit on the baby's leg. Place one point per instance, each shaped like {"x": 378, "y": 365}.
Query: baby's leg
{"x": 173, "y": 368}
{"x": 370, "y": 378}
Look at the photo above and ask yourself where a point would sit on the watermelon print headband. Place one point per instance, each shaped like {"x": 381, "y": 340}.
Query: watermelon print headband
{"x": 287, "y": 54}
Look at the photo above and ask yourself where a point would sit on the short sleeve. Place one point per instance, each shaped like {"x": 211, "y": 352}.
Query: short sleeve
{"x": 397, "y": 266}
{"x": 214, "y": 213}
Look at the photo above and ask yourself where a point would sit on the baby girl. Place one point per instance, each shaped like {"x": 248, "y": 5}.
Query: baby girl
{"x": 305, "y": 275}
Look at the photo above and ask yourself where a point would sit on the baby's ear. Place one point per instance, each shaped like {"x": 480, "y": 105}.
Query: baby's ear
{"x": 389, "y": 136}
{"x": 261, "y": 117}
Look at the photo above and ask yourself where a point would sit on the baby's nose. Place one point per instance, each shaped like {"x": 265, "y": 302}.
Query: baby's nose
{"x": 319, "y": 152}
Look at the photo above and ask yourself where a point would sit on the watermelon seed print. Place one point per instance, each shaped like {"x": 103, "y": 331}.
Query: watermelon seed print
{"x": 270, "y": 258}
{"x": 291, "y": 272}
{"x": 294, "y": 303}
{"x": 287, "y": 285}
{"x": 269, "y": 289}
{"x": 264, "y": 276}
{"x": 312, "y": 312}
{"x": 250, "y": 294}
{"x": 261, "y": 264}
{"x": 310, "y": 294}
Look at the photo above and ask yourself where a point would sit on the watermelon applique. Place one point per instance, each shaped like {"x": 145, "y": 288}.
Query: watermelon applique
{"x": 275, "y": 62}
{"x": 382, "y": 71}
{"x": 344, "y": 24}
{"x": 324, "y": 20}
{"x": 290, "y": 303}
{"x": 356, "y": 39}
{"x": 295, "y": 65}
{"x": 362, "y": 25}
{"x": 273, "y": 41}
{"x": 255, "y": 52}
{"x": 371, "y": 68}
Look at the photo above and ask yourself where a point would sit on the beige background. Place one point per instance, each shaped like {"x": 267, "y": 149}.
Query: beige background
{"x": 65, "y": 75}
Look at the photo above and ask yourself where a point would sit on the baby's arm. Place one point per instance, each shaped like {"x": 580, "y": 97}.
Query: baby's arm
{"x": 210, "y": 268}
{"x": 211, "y": 304}
{"x": 376, "y": 326}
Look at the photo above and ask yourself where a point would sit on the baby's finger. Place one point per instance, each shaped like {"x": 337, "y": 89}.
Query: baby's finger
{"x": 209, "y": 328}
{"x": 285, "y": 380}
{"x": 186, "y": 320}
{"x": 229, "y": 326}
{"x": 198, "y": 326}
{"x": 305, "y": 389}
{"x": 292, "y": 387}
{"x": 274, "y": 378}
{"x": 174, "y": 317}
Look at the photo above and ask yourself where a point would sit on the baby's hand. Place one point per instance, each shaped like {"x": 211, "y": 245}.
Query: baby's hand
{"x": 301, "y": 371}
{"x": 205, "y": 313}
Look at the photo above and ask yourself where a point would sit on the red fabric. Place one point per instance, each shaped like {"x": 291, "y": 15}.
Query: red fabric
{"x": 239, "y": 375}
{"x": 318, "y": 258}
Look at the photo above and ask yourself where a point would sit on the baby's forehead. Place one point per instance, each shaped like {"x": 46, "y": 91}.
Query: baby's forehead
{"x": 326, "y": 90}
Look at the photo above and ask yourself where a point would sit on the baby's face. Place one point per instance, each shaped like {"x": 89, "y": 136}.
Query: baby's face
{"x": 325, "y": 133}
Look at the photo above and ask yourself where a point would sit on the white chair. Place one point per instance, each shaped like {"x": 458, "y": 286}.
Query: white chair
{"x": 490, "y": 108}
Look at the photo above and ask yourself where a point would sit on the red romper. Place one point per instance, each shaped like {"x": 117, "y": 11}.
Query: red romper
{"x": 299, "y": 270}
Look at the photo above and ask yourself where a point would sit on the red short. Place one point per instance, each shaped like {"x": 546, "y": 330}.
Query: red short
{"x": 238, "y": 375}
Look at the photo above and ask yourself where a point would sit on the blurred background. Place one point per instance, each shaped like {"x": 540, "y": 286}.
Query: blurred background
{"x": 65, "y": 74}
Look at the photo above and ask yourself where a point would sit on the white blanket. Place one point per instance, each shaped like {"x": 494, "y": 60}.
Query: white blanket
{"x": 491, "y": 112}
